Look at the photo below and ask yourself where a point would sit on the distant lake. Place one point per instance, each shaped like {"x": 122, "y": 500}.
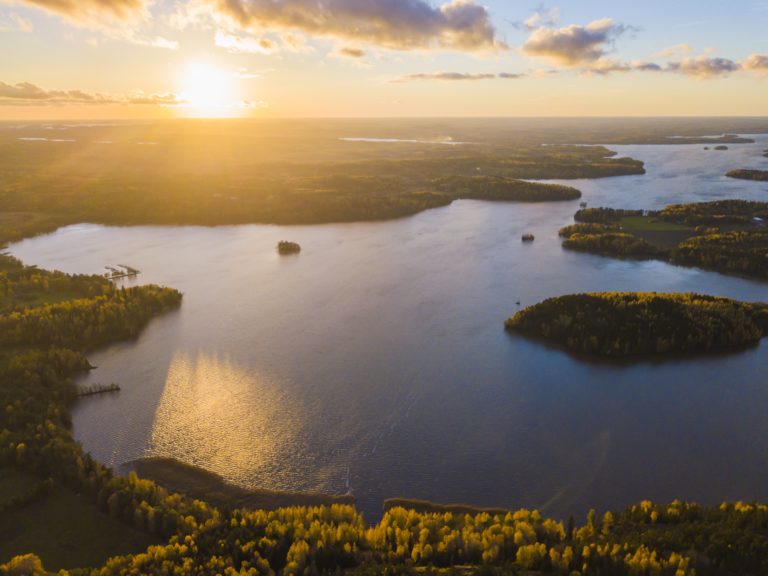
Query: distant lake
{"x": 376, "y": 359}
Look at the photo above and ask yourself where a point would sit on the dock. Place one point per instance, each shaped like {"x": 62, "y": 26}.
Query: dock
{"x": 121, "y": 271}
{"x": 98, "y": 389}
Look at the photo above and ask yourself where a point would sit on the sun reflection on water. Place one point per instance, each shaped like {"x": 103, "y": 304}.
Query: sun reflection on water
{"x": 232, "y": 421}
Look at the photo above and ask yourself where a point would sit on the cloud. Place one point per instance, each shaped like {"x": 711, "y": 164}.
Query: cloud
{"x": 704, "y": 67}
{"x": 26, "y": 93}
{"x": 245, "y": 74}
{"x": 676, "y": 50}
{"x": 756, "y": 63}
{"x": 605, "y": 66}
{"x": 90, "y": 12}
{"x": 646, "y": 67}
{"x": 455, "y": 77}
{"x": 349, "y": 52}
{"x": 574, "y": 46}
{"x": 165, "y": 99}
{"x": 542, "y": 18}
{"x": 397, "y": 24}
{"x": 14, "y": 23}
{"x": 244, "y": 45}
{"x": 158, "y": 42}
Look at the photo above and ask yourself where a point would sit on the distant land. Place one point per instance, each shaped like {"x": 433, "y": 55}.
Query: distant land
{"x": 309, "y": 172}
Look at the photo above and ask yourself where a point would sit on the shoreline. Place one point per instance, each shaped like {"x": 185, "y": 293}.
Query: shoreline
{"x": 196, "y": 482}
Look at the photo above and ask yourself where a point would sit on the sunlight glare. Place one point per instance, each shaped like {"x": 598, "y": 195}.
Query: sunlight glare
{"x": 209, "y": 91}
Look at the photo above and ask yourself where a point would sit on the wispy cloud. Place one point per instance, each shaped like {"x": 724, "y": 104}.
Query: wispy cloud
{"x": 542, "y": 18}
{"x": 13, "y": 22}
{"x": 93, "y": 12}
{"x": 26, "y": 93}
{"x": 244, "y": 44}
{"x": 676, "y": 50}
{"x": 349, "y": 52}
{"x": 456, "y": 77}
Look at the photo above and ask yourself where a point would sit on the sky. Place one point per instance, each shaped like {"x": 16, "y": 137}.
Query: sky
{"x": 381, "y": 58}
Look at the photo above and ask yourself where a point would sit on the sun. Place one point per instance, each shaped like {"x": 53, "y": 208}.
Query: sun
{"x": 209, "y": 92}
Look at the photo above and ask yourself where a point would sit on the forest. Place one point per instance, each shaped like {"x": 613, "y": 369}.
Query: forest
{"x": 215, "y": 176}
{"x": 727, "y": 236}
{"x": 616, "y": 244}
{"x": 621, "y": 324}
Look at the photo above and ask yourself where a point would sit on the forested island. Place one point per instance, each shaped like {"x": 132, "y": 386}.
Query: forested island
{"x": 728, "y": 236}
{"x": 744, "y": 174}
{"x": 285, "y": 247}
{"x": 621, "y": 324}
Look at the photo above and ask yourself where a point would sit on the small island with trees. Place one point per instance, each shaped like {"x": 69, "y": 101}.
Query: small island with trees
{"x": 745, "y": 174}
{"x": 622, "y": 324}
{"x": 286, "y": 248}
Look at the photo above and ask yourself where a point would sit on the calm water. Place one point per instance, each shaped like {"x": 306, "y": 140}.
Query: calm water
{"x": 377, "y": 359}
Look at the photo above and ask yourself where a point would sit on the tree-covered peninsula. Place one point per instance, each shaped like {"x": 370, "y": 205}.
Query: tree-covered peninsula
{"x": 619, "y": 324}
{"x": 728, "y": 236}
{"x": 745, "y": 174}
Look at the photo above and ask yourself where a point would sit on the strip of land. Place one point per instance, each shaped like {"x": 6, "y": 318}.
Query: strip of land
{"x": 198, "y": 483}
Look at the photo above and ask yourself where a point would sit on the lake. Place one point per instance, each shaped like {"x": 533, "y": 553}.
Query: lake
{"x": 377, "y": 361}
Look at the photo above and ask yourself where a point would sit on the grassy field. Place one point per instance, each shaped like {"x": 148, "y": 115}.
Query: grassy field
{"x": 14, "y": 483}
{"x": 64, "y": 530}
{"x": 657, "y": 232}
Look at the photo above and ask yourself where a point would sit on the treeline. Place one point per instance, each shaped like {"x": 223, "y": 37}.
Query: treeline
{"x": 86, "y": 323}
{"x": 503, "y": 189}
{"x": 636, "y": 323}
{"x": 647, "y": 539}
{"x": 587, "y": 228}
{"x": 745, "y": 174}
{"x": 716, "y": 213}
{"x": 616, "y": 244}
{"x": 744, "y": 253}
{"x": 22, "y": 286}
{"x": 604, "y": 215}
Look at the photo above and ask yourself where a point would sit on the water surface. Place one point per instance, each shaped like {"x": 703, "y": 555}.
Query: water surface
{"x": 376, "y": 359}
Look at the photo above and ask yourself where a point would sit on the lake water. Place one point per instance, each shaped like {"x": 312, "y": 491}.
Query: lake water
{"x": 377, "y": 359}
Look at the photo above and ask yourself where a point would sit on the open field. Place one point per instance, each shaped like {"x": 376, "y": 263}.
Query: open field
{"x": 64, "y": 530}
